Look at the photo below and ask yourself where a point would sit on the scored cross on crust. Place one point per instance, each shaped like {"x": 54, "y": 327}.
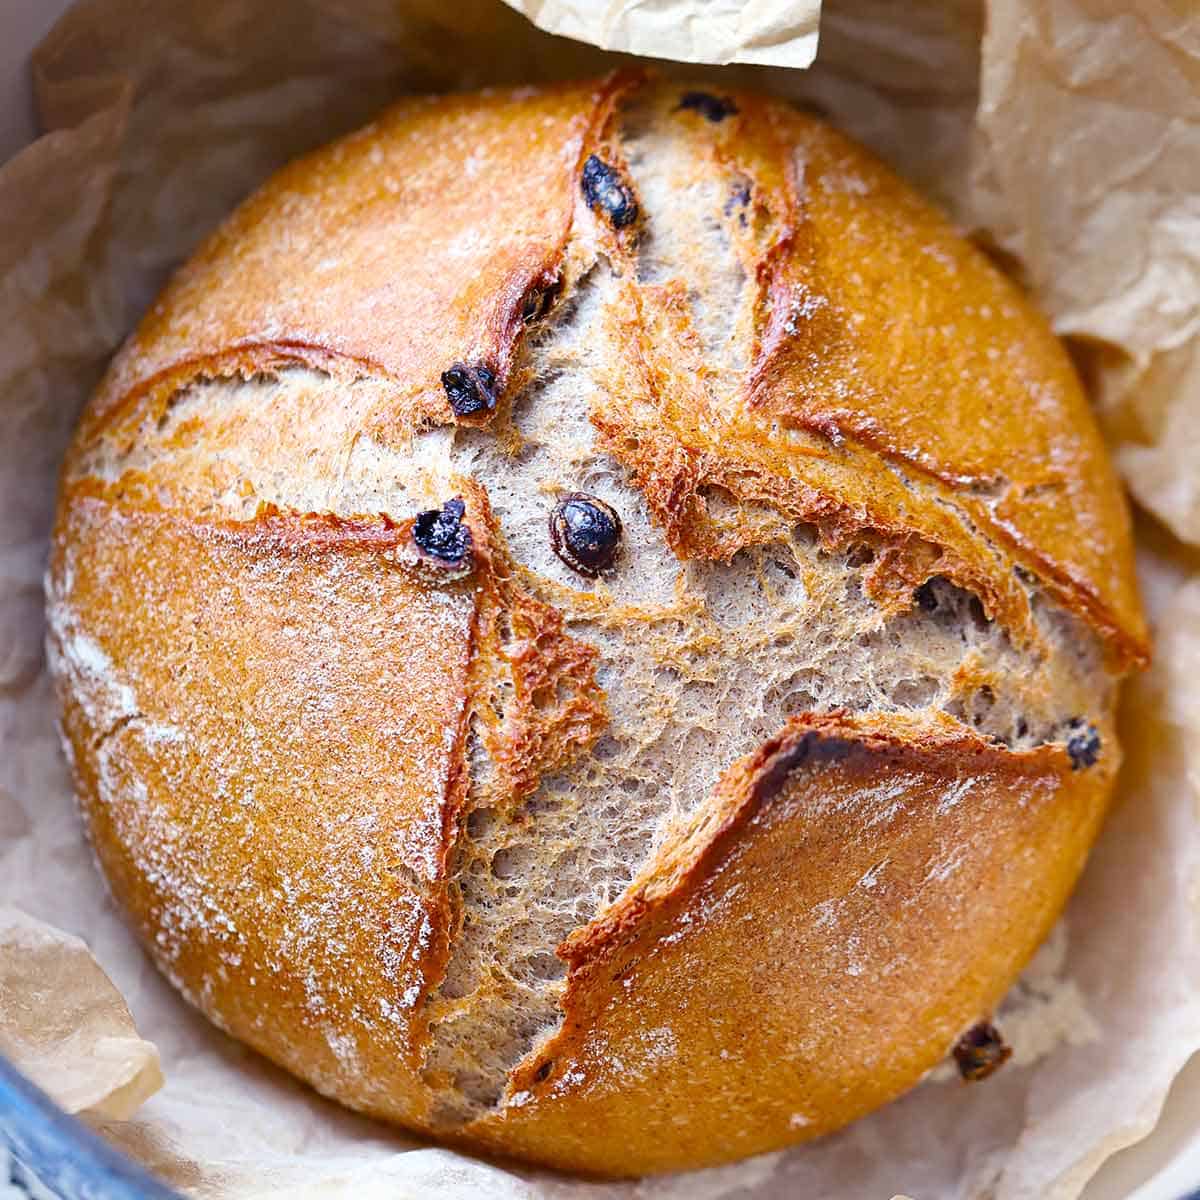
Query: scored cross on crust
{"x": 653, "y": 850}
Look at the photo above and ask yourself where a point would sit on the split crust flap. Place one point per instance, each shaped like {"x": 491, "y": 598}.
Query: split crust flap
{"x": 274, "y": 764}
{"x": 830, "y": 914}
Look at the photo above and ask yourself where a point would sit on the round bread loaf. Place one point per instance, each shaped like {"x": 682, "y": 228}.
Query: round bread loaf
{"x": 588, "y": 622}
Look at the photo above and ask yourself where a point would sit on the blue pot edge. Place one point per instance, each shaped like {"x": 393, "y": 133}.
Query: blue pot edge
{"x": 62, "y": 1153}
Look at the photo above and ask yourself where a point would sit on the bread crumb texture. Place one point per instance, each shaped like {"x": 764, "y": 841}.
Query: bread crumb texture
{"x": 690, "y": 858}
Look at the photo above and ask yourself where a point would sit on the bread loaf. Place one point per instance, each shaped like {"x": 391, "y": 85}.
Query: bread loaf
{"x": 588, "y": 622}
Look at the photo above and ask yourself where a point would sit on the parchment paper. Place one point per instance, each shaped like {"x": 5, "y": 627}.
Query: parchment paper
{"x": 719, "y": 31}
{"x": 66, "y": 1027}
{"x": 1081, "y": 165}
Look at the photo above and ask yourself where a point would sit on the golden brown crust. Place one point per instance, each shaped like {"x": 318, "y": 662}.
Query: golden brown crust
{"x": 738, "y": 936}
{"x": 227, "y": 689}
{"x": 268, "y": 722}
{"x": 916, "y": 346}
{"x": 406, "y": 247}
{"x": 273, "y": 721}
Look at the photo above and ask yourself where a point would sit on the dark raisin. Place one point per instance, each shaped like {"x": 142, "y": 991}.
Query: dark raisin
{"x": 1083, "y": 745}
{"x": 470, "y": 390}
{"x": 715, "y": 108}
{"x": 442, "y": 533}
{"x": 539, "y": 301}
{"x": 543, "y": 1071}
{"x": 604, "y": 189}
{"x": 980, "y": 1051}
{"x": 585, "y": 533}
{"x": 927, "y": 596}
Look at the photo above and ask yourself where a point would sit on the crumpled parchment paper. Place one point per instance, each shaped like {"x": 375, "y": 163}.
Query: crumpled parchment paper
{"x": 64, "y": 1025}
{"x": 716, "y": 31}
{"x": 1088, "y": 172}
{"x": 1066, "y": 135}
